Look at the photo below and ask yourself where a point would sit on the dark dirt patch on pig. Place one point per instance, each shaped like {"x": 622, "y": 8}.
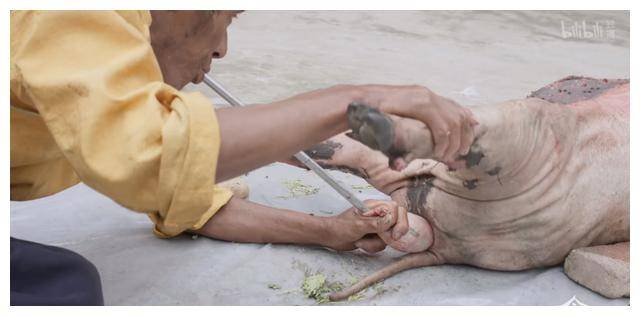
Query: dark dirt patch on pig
{"x": 470, "y": 184}
{"x": 495, "y": 171}
{"x": 324, "y": 150}
{"x": 473, "y": 157}
{"x": 417, "y": 193}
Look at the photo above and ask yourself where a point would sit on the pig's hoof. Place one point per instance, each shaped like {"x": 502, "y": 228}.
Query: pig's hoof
{"x": 371, "y": 127}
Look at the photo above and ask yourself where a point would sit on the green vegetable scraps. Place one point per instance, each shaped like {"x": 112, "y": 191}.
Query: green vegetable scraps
{"x": 297, "y": 188}
{"x": 356, "y": 297}
{"x": 362, "y": 187}
{"x": 317, "y": 288}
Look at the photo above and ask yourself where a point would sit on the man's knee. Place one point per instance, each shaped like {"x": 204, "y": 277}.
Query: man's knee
{"x": 86, "y": 279}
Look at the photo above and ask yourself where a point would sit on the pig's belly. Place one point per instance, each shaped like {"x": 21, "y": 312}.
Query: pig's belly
{"x": 583, "y": 202}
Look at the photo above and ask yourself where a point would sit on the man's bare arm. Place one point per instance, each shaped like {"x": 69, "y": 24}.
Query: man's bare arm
{"x": 244, "y": 221}
{"x": 254, "y": 136}
{"x": 257, "y": 135}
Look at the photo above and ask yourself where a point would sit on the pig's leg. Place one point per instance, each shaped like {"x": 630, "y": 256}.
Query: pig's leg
{"x": 345, "y": 154}
{"x": 409, "y": 140}
{"x": 603, "y": 269}
{"x": 411, "y": 261}
{"x": 341, "y": 153}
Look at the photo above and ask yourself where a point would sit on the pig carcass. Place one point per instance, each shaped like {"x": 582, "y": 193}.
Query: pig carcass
{"x": 546, "y": 181}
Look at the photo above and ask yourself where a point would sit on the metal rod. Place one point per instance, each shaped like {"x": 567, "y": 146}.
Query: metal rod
{"x": 301, "y": 156}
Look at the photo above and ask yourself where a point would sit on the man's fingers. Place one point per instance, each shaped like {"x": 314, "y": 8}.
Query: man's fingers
{"x": 384, "y": 223}
{"x": 371, "y": 244}
{"x": 470, "y": 117}
{"x": 456, "y": 164}
{"x": 467, "y": 139}
{"x": 374, "y": 212}
{"x": 455, "y": 131}
{"x": 402, "y": 224}
{"x": 382, "y": 215}
{"x": 440, "y": 137}
{"x": 467, "y": 136}
{"x": 378, "y": 208}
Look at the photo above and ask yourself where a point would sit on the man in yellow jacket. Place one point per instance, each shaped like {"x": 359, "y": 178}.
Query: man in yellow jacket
{"x": 95, "y": 97}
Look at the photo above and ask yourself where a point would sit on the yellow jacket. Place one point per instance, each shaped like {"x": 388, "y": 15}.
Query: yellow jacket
{"x": 88, "y": 103}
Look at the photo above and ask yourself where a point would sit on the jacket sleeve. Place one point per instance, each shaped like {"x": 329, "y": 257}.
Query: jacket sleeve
{"x": 94, "y": 79}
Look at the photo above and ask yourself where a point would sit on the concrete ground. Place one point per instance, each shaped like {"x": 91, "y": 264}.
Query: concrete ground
{"x": 472, "y": 57}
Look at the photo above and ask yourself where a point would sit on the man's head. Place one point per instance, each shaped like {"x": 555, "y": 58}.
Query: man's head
{"x": 184, "y": 42}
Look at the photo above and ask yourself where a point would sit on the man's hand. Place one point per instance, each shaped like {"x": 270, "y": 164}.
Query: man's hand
{"x": 350, "y": 230}
{"x": 451, "y": 124}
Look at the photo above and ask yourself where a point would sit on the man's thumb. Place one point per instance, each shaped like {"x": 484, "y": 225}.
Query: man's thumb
{"x": 383, "y": 223}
